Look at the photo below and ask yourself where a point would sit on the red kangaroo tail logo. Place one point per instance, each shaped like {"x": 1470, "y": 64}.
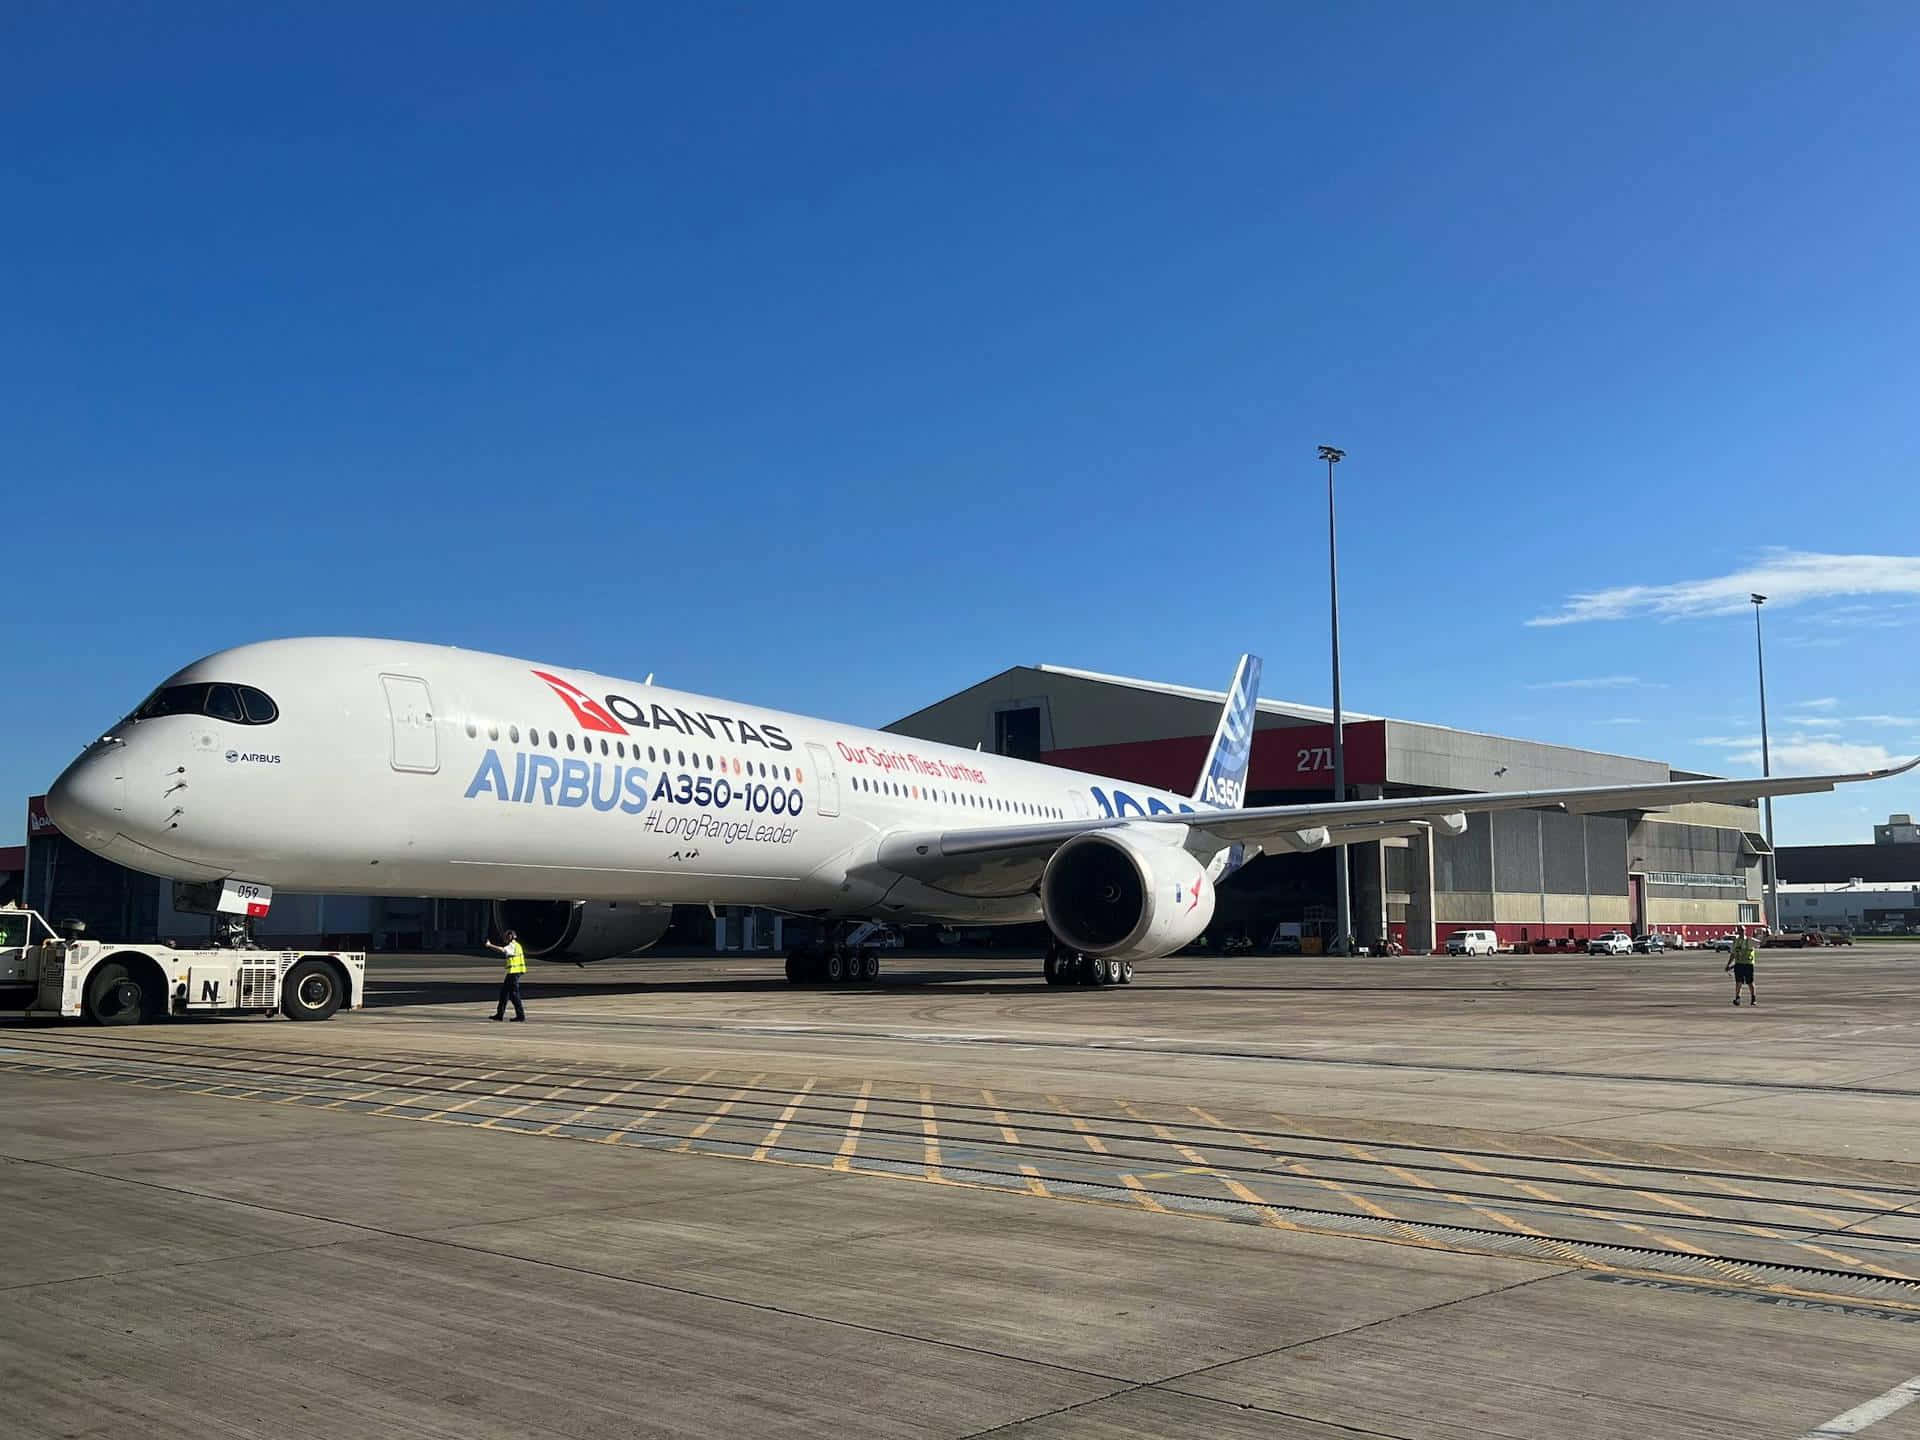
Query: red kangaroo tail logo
{"x": 1193, "y": 904}
{"x": 588, "y": 711}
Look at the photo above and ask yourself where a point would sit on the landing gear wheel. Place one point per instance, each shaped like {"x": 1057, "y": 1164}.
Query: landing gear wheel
{"x": 1096, "y": 970}
{"x": 1050, "y": 967}
{"x": 114, "y": 997}
{"x": 311, "y": 991}
{"x": 836, "y": 967}
{"x": 870, "y": 966}
{"x": 1113, "y": 972}
{"x": 1126, "y": 972}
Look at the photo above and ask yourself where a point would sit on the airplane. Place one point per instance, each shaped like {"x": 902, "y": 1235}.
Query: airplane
{"x": 586, "y": 807}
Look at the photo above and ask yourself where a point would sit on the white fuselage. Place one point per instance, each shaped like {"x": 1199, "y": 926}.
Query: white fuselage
{"x": 405, "y": 769}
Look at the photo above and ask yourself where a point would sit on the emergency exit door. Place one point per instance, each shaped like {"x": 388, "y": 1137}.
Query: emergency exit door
{"x": 410, "y": 711}
{"x": 827, "y": 795}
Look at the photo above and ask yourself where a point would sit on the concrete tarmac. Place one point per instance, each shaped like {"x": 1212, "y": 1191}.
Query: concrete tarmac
{"x": 1520, "y": 1196}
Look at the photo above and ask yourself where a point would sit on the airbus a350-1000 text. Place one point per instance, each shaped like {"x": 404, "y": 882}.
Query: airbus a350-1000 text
{"x": 587, "y": 807}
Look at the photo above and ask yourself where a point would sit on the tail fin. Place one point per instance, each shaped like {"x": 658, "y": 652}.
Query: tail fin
{"x": 1223, "y": 779}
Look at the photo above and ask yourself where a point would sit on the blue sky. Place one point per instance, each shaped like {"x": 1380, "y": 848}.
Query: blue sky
{"x": 837, "y": 356}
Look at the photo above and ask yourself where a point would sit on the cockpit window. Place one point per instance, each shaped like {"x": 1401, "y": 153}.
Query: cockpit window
{"x": 235, "y": 704}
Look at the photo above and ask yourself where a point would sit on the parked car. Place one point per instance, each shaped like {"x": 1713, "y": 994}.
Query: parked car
{"x": 1614, "y": 942}
{"x": 1840, "y": 937}
{"x": 1472, "y": 942}
{"x": 1651, "y": 944}
{"x": 1721, "y": 942}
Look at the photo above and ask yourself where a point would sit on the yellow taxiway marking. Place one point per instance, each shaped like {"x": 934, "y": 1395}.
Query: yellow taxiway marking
{"x": 844, "y": 1160}
{"x": 1012, "y": 1137}
{"x": 1299, "y": 1168}
{"x": 930, "y": 1135}
{"x": 613, "y": 1137}
{"x": 1142, "y": 1194}
{"x": 1416, "y": 1179}
{"x": 786, "y": 1117}
{"x": 1094, "y": 1142}
{"x": 1573, "y": 1205}
{"x": 714, "y": 1119}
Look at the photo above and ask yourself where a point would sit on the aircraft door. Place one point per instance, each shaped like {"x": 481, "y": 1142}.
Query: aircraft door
{"x": 1081, "y": 810}
{"x": 410, "y": 708}
{"x": 827, "y": 793}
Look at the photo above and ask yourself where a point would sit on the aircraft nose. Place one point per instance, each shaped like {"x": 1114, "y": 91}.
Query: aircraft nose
{"x": 89, "y": 800}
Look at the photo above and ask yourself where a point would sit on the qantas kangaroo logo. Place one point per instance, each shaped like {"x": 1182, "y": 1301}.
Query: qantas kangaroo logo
{"x": 591, "y": 714}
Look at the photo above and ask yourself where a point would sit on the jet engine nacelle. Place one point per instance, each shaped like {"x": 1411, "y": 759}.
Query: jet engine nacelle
{"x": 1125, "y": 895}
{"x": 581, "y": 929}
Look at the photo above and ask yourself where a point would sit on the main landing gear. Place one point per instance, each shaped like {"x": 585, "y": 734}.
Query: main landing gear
{"x": 1070, "y": 967}
{"x": 833, "y": 963}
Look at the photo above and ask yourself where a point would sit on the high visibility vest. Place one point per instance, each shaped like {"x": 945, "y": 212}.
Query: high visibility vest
{"x": 516, "y": 958}
{"x": 1743, "y": 951}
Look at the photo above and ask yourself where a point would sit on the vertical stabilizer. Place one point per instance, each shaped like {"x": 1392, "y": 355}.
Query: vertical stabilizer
{"x": 1223, "y": 779}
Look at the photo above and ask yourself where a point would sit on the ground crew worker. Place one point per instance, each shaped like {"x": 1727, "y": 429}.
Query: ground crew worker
{"x": 1740, "y": 962}
{"x": 510, "y": 982}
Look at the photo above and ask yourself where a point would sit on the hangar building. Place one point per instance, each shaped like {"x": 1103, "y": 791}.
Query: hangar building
{"x": 1534, "y": 876}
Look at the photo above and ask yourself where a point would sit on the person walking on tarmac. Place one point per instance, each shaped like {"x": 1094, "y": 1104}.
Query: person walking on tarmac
{"x": 510, "y": 982}
{"x": 1740, "y": 962}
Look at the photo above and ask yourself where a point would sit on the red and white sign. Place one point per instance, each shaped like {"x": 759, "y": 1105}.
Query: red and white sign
{"x": 241, "y": 897}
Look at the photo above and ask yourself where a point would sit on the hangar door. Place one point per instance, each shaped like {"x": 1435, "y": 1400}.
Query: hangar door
{"x": 410, "y": 709}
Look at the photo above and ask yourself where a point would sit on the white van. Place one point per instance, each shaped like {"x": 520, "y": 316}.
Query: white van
{"x": 1473, "y": 942}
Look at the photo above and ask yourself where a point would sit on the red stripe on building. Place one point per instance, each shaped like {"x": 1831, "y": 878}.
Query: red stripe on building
{"x": 1296, "y": 758}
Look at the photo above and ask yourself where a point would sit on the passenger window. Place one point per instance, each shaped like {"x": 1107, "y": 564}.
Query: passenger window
{"x": 553, "y": 740}
{"x": 570, "y": 740}
{"x": 493, "y": 732}
{"x": 513, "y": 734}
{"x": 224, "y": 704}
{"x": 473, "y": 731}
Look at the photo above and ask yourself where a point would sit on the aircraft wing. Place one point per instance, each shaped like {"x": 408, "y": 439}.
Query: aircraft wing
{"x": 1005, "y": 855}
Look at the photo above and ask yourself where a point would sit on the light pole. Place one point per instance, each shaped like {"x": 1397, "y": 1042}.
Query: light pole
{"x": 1770, "y": 911}
{"x": 1342, "y": 902}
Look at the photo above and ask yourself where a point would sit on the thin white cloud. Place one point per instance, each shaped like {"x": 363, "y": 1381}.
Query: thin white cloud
{"x": 1820, "y": 757}
{"x": 1786, "y": 577}
{"x": 1826, "y": 702}
{"x": 1891, "y": 721}
{"x": 1622, "y": 720}
{"x": 1597, "y": 682}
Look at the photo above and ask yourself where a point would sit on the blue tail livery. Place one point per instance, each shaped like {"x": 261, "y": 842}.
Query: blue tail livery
{"x": 1223, "y": 779}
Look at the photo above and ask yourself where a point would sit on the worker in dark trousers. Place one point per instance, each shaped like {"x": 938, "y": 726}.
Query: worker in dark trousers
{"x": 510, "y": 982}
{"x": 1740, "y": 962}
